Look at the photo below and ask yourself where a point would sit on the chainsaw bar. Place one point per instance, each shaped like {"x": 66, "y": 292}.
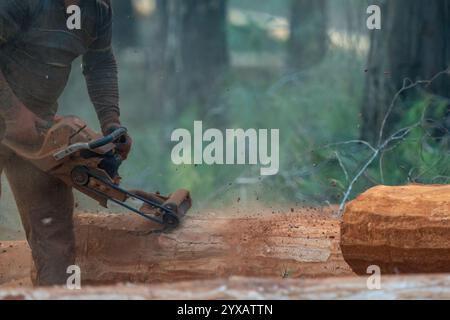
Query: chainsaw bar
{"x": 169, "y": 218}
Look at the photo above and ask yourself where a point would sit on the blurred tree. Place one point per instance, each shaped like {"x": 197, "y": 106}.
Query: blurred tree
{"x": 193, "y": 36}
{"x": 308, "y": 40}
{"x": 413, "y": 43}
{"x": 155, "y": 54}
{"x": 125, "y": 25}
{"x": 353, "y": 17}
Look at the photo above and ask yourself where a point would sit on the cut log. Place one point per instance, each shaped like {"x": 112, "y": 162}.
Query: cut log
{"x": 392, "y": 287}
{"x": 400, "y": 229}
{"x": 127, "y": 248}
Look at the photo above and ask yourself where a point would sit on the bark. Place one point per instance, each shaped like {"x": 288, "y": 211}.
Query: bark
{"x": 400, "y": 229}
{"x": 308, "y": 33}
{"x": 413, "y": 43}
{"x": 392, "y": 287}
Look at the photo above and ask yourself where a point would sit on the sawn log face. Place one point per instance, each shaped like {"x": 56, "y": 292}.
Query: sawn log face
{"x": 401, "y": 229}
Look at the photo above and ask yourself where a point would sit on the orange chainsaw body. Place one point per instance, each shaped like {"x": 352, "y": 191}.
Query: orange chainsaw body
{"x": 66, "y": 154}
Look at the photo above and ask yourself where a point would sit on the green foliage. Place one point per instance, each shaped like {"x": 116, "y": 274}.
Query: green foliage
{"x": 313, "y": 108}
{"x": 252, "y": 38}
{"x": 423, "y": 157}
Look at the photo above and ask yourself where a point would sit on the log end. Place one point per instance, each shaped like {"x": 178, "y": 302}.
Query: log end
{"x": 400, "y": 229}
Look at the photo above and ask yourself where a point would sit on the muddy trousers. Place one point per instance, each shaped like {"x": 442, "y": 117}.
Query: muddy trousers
{"x": 46, "y": 210}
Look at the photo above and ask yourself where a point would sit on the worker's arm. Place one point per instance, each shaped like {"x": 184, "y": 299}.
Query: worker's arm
{"x": 100, "y": 71}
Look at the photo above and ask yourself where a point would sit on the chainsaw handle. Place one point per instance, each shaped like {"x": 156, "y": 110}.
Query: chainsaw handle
{"x": 113, "y": 136}
{"x": 90, "y": 145}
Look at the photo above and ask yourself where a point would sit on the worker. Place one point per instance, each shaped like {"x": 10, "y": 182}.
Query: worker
{"x": 37, "y": 49}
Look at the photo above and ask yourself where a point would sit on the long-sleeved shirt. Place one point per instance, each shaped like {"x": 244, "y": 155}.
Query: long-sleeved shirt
{"x": 37, "y": 50}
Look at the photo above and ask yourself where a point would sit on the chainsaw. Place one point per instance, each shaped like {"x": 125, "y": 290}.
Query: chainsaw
{"x": 87, "y": 161}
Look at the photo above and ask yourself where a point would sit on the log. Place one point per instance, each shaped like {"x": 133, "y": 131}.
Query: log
{"x": 392, "y": 287}
{"x": 113, "y": 248}
{"x": 127, "y": 248}
{"x": 400, "y": 229}
{"x": 15, "y": 263}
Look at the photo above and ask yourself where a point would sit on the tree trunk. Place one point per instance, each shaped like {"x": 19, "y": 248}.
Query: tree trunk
{"x": 196, "y": 53}
{"x": 125, "y": 26}
{"x": 308, "y": 33}
{"x": 155, "y": 58}
{"x": 413, "y": 44}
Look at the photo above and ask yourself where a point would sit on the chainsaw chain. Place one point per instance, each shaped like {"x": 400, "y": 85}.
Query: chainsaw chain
{"x": 166, "y": 211}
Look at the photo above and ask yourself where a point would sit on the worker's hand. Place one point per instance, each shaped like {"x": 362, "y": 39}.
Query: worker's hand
{"x": 23, "y": 126}
{"x": 57, "y": 118}
{"x": 123, "y": 144}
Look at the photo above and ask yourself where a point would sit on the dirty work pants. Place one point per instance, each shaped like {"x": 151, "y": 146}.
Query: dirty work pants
{"x": 46, "y": 208}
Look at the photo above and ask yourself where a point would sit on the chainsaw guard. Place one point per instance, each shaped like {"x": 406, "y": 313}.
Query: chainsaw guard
{"x": 177, "y": 205}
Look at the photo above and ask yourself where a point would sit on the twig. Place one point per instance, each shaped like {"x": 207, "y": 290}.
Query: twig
{"x": 400, "y": 134}
{"x": 342, "y": 165}
{"x": 349, "y": 142}
{"x": 404, "y": 88}
{"x": 382, "y": 145}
